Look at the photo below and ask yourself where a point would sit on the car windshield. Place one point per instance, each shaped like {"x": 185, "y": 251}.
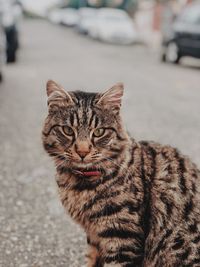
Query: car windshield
{"x": 191, "y": 15}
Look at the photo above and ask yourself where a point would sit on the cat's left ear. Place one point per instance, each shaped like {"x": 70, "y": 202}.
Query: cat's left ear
{"x": 57, "y": 96}
{"x": 112, "y": 98}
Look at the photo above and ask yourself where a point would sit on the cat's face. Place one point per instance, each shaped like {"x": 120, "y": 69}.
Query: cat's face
{"x": 83, "y": 130}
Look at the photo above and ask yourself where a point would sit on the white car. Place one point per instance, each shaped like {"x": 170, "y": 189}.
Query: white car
{"x": 38, "y": 7}
{"x": 114, "y": 26}
{"x": 55, "y": 16}
{"x": 69, "y": 16}
{"x": 65, "y": 16}
{"x": 87, "y": 17}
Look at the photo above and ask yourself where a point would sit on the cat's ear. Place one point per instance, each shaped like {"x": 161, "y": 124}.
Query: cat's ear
{"x": 112, "y": 98}
{"x": 57, "y": 95}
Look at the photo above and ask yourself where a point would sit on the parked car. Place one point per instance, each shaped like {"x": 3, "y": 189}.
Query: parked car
{"x": 69, "y": 17}
{"x": 184, "y": 36}
{"x": 65, "y": 16}
{"x": 55, "y": 15}
{"x": 114, "y": 26}
{"x": 87, "y": 17}
{"x": 2, "y": 50}
{"x": 37, "y": 8}
{"x": 10, "y": 14}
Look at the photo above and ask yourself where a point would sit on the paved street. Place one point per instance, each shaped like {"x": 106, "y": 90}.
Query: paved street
{"x": 161, "y": 103}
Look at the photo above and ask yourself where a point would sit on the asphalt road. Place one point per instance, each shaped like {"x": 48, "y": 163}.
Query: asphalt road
{"x": 161, "y": 103}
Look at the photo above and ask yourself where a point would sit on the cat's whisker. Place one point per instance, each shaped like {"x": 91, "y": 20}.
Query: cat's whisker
{"x": 62, "y": 163}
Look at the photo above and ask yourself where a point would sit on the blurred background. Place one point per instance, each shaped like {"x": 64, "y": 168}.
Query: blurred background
{"x": 153, "y": 47}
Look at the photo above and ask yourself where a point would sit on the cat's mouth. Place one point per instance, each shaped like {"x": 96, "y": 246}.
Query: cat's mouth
{"x": 87, "y": 172}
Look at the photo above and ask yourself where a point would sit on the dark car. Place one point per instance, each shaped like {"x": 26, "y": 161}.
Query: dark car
{"x": 184, "y": 36}
{"x": 2, "y": 50}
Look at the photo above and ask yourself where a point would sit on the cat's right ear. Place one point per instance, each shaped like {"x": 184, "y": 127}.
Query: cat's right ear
{"x": 57, "y": 96}
{"x": 112, "y": 98}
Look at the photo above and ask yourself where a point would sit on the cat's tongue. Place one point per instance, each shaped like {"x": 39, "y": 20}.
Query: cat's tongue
{"x": 88, "y": 173}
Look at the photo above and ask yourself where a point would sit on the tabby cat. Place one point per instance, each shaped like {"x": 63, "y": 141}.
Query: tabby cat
{"x": 138, "y": 202}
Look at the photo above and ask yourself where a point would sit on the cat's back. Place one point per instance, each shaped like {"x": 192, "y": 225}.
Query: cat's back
{"x": 174, "y": 180}
{"x": 174, "y": 203}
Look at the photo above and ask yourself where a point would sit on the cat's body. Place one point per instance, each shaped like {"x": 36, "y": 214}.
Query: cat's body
{"x": 140, "y": 204}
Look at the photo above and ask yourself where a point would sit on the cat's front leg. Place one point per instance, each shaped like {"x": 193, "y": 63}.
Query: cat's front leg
{"x": 117, "y": 252}
{"x": 93, "y": 256}
{"x": 94, "y": 259}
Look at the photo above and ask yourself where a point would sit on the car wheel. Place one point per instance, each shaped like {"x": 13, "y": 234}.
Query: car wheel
{"x": 11, "y": 57}
{"x": 12, "y": 43}
{"x": 163, "y": 57}
{"x": 172, "y": 53}
{"x": 1, "y": 77}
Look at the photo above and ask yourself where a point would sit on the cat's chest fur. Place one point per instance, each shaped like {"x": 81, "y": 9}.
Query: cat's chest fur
{"x": 115, "y": 199}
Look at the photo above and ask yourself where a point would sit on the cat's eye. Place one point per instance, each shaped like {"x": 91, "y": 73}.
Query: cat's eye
{"x": 68, "y": 130}
{"x": 99, "y": 132}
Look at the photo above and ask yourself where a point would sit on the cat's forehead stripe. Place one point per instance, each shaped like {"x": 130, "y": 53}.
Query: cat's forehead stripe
{"x": 76, "y": 120}
{"x": 71, "y": 117}
{"x": 84, "y": 97}
{"x": 85, "y": 113}
{"x": 91, "y": 119}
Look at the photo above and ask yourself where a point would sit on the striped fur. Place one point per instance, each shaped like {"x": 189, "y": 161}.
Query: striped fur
{"x": 144, "y": 208}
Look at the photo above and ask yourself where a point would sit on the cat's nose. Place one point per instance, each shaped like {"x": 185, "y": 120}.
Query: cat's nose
{"x": 82, "y": 150}
{"x": 82, "y": 154}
